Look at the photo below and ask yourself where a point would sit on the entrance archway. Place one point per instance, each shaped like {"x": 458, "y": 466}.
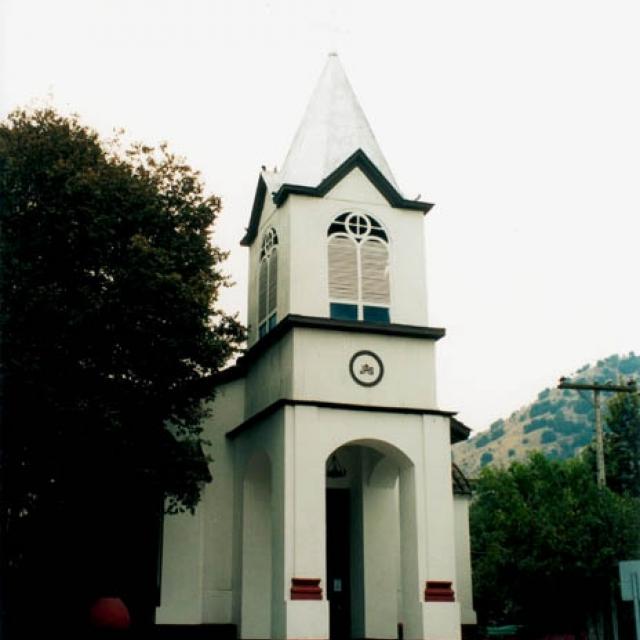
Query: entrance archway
{"x": 256, "y": 549}
{"x": 371, "y": 540}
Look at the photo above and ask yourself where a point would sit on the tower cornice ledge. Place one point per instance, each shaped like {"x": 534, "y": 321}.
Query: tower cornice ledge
{"x": 293, "y": 321}
{"x": 457, "y": 431}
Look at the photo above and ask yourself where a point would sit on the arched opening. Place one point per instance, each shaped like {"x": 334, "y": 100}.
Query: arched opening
{"x": 256, "y": 549}
{"x": 371, "y": 541}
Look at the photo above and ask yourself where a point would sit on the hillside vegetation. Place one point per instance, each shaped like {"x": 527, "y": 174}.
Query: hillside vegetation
{"x": 559, "y": 422}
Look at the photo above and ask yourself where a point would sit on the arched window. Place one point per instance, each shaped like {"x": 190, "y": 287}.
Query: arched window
{"x": 358, "y": 249}
{"x": 268, "y": 282}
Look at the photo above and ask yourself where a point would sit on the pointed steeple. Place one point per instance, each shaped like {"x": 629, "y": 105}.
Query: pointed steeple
{"x": 332, "y": 129}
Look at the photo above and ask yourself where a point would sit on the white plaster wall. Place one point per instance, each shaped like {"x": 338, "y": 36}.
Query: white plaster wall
{"x": 217, "y": 504}
{"x": 463, "y": 559}
{"x": 270, "y": 377}
{"x": 182, "y": 570}
{"x": 197, "y": 549}
{"x": 357, "y": 189}
{"x": 321, "y": 369}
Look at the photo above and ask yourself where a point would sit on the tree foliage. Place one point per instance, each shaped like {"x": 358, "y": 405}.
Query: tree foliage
{"x": 621, "y": 444}
{"x": 545, "y": 540}
{"x": 110, "y": 334}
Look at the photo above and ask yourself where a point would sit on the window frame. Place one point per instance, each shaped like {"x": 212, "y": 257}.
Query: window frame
{"x": 268, "y": 259}
{"x": 342, "y": 226}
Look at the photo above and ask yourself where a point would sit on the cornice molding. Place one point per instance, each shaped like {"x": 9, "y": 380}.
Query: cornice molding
{"x": 344, "y": 406}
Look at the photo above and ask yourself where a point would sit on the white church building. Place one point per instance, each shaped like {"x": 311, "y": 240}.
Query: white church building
{"x": 334, "y": 511}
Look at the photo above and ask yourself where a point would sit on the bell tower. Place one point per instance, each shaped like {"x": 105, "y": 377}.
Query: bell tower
{"x": 349, "y": 245}
{"x": 333, "y": 456}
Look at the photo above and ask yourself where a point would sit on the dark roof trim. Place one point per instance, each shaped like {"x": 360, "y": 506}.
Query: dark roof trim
{"x": 461, "y": 431}
{"x": 357, "y": 159}
{"x": 292, "y": 321}
{"x": 461, "y": 485}
{"x": 256, "y": 211}
{"x": 288, "y": 402}
{"x": 235, "y": 372}
{"x": 351, "y": 326}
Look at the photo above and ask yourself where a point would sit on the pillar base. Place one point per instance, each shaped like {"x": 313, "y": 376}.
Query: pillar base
{"x": 441, "y": 620}
{"x": 307, "y": 619}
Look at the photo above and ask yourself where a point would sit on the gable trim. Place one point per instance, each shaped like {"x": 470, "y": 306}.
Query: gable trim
{"x": 357, "y": 159}
{"x": 256, "y": 212}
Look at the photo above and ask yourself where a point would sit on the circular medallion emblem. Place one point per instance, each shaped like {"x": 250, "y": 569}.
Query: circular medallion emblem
{"x": 366, "y": 368}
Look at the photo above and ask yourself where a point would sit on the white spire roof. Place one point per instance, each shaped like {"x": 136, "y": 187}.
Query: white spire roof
{"x": 332, "y": 129}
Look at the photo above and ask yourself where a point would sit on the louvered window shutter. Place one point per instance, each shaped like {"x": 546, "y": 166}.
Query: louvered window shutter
{"x": 374, "y": 257}
{"x": 343, "y": 268}
{"x": 262, "y": 290}
{"x": 272, "y": 302}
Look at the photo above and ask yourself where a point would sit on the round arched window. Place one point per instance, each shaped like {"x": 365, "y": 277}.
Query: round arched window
{"x": 358, "y": 249}
{"x": 268, "y": 282}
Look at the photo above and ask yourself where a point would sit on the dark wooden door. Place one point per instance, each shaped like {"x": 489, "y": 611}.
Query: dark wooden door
{"x": 338, "y": 563}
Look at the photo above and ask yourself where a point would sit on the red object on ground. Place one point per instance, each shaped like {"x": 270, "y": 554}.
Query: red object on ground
{"x": 109, "y": 613}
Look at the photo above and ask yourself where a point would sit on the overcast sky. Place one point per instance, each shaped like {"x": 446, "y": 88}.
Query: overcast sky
{"x": 520, "y": 120}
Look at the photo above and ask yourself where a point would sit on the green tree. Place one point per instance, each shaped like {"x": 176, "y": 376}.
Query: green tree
{"x": 622, "y": 443}
{"x": 110, "y": 343}
{"x": 544, "y": 542}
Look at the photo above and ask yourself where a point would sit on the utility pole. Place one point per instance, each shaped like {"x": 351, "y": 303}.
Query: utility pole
{"x": 630, "y": 387}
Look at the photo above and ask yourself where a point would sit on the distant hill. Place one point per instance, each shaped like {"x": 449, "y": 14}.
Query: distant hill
{"x": 560, "y": 422}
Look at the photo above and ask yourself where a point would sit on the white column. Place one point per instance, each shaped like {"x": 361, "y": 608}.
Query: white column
{"x": 412, "y": 552}
{"x": 441, "y": 619}
{"x": 381, "y": 553}
{"x": 304, "y": 525}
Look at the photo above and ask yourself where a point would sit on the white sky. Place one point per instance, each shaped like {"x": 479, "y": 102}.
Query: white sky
{"x": 519, "y": 119}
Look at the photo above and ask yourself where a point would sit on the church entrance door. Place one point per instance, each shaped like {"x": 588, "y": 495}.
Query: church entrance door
{"x": 338, "y": 563}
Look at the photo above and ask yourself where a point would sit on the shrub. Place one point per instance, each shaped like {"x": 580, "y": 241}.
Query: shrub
{"x": 534, "y": 425}
{"x": 486, "y": 458}
{"x": 566, "y": 427}
{"x": 482, "y": 441}
{"x": 540, "y": 408}
{"x": 498, "y": 424}
{"x": 581, "y": 440}
{"x": 583, "y": 407}
{"x": 630, "y": 364}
